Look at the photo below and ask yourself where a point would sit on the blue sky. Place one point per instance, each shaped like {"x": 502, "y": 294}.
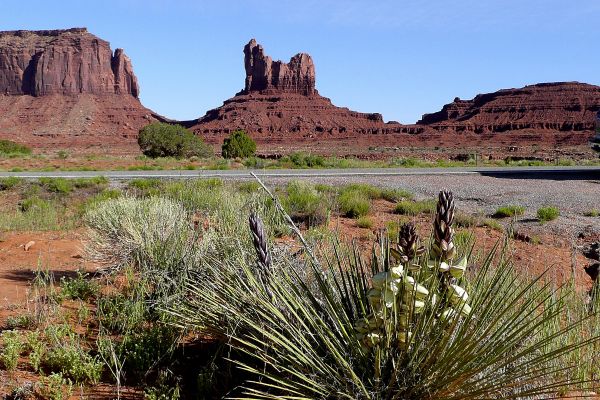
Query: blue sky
{"x": 400, "y": 58}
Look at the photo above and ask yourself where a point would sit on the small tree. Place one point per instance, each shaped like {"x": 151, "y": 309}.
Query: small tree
{"x": 165, "y": 140}
{"x": 238, "y": 145}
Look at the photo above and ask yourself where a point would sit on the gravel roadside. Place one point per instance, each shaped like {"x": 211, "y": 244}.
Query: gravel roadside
{"x": 484, "y": 194}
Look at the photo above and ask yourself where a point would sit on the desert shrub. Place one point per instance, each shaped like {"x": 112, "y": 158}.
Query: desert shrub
{"x": 166, "y": 140}
{"x": 81, "y": 183}
{"x": 305, "y": 204}
{"x": 146, "y": 186}
{"x": 23, "y": 321}
{"x": 354, "y": 204}
{"x": 364, "y": 222}
{"x": 62, "y": 154}
{"x": 249, "y": 187}
{"x": 304, "y": 160}
{"x": 106, "y": 194}
{"x": 592, "y": 213}
{"x": 142, "y": 351}
{"x": 509, "y": 211}
{"x": 57, "y": 185}
{"x": 546, "y": 214}
{"x": 375, "y": 332}
{"x": 54, "y": 387}
{"x": 464, "y": 220}
{"x": 238, "y": 145}
{"x": 153, "y": 234}
{"x": 79, "y": 287}
{"x": 120, "y": 313}
{"x": 66, "y": 355}
{"x": 10, "y": 182}
{"x": 406, "y": 207}
{"x": 492, "y": 224}
{"x": 8, "y": 147}
{"x": 12, "y": 347}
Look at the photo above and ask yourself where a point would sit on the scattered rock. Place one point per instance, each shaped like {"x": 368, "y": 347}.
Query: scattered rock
{"x": 593, "y": 270}
{"x": 592, "y": 251}
{"x": 28, "y": 245}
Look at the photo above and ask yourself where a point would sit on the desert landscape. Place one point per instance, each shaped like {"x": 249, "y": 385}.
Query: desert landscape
{"x": 281, "y": 246}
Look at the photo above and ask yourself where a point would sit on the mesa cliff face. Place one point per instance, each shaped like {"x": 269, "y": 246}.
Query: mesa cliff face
{"x": 67, "y": 62}
{"x": 279, "y": 101}
{"x": 67, "y": 88}
{"x": 545, "y": 107}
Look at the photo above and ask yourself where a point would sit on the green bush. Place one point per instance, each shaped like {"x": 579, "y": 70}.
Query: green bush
{"x": 546, "y": 214}
{"x": 8, "y": 147}
{"x": 364, "y": 222}
{"x": 57, "y": 185}
{"x": 166, "y": 140}
{"x": 9, "y": 182}
{"x": 238, "y": 145}
{"x": 354, "y": 204}
{"x": 592, "y": 213}
{"x": 80, "y": 287}
{"x": 12, "y": 346}
{"x": 509, "y": 211}
{"x": 305, "y": 204}
{"x": 415, "y": 207}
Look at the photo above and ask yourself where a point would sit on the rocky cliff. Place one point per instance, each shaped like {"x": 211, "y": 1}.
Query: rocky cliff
{"x": 67, "y": 88}
{"x": 545, "y": 107}
{"x": 66, "y": 62}
{"x": 265, "y": 75}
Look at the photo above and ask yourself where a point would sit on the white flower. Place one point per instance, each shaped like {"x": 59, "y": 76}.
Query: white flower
{"x": 458, "y": 295}
{"x": 458, "y": 270}
{"x": 465, "y": 309}
{"x": 397, "y": 272}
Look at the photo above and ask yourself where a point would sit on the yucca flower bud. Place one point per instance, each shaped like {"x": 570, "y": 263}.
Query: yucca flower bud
{"x": 443, "y": 232}
{"x": 408, "y": 244}
{"x": 458, "y": 270}
{"x": 458, "y": 295}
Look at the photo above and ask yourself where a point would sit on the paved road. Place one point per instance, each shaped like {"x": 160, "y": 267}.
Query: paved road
{"x": 557, "y": 173}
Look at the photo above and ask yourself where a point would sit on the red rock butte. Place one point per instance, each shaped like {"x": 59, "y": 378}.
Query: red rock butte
{"x": 67, "y": 88}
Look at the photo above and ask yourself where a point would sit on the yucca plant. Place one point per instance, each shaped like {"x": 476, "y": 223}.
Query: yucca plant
{"x": 399, "y": 326}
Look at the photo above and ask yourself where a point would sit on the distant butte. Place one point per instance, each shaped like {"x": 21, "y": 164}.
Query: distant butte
{"x": 66, "y": 88}
{"x": 545, "y": 107}
{"x": 280, "y": 100}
